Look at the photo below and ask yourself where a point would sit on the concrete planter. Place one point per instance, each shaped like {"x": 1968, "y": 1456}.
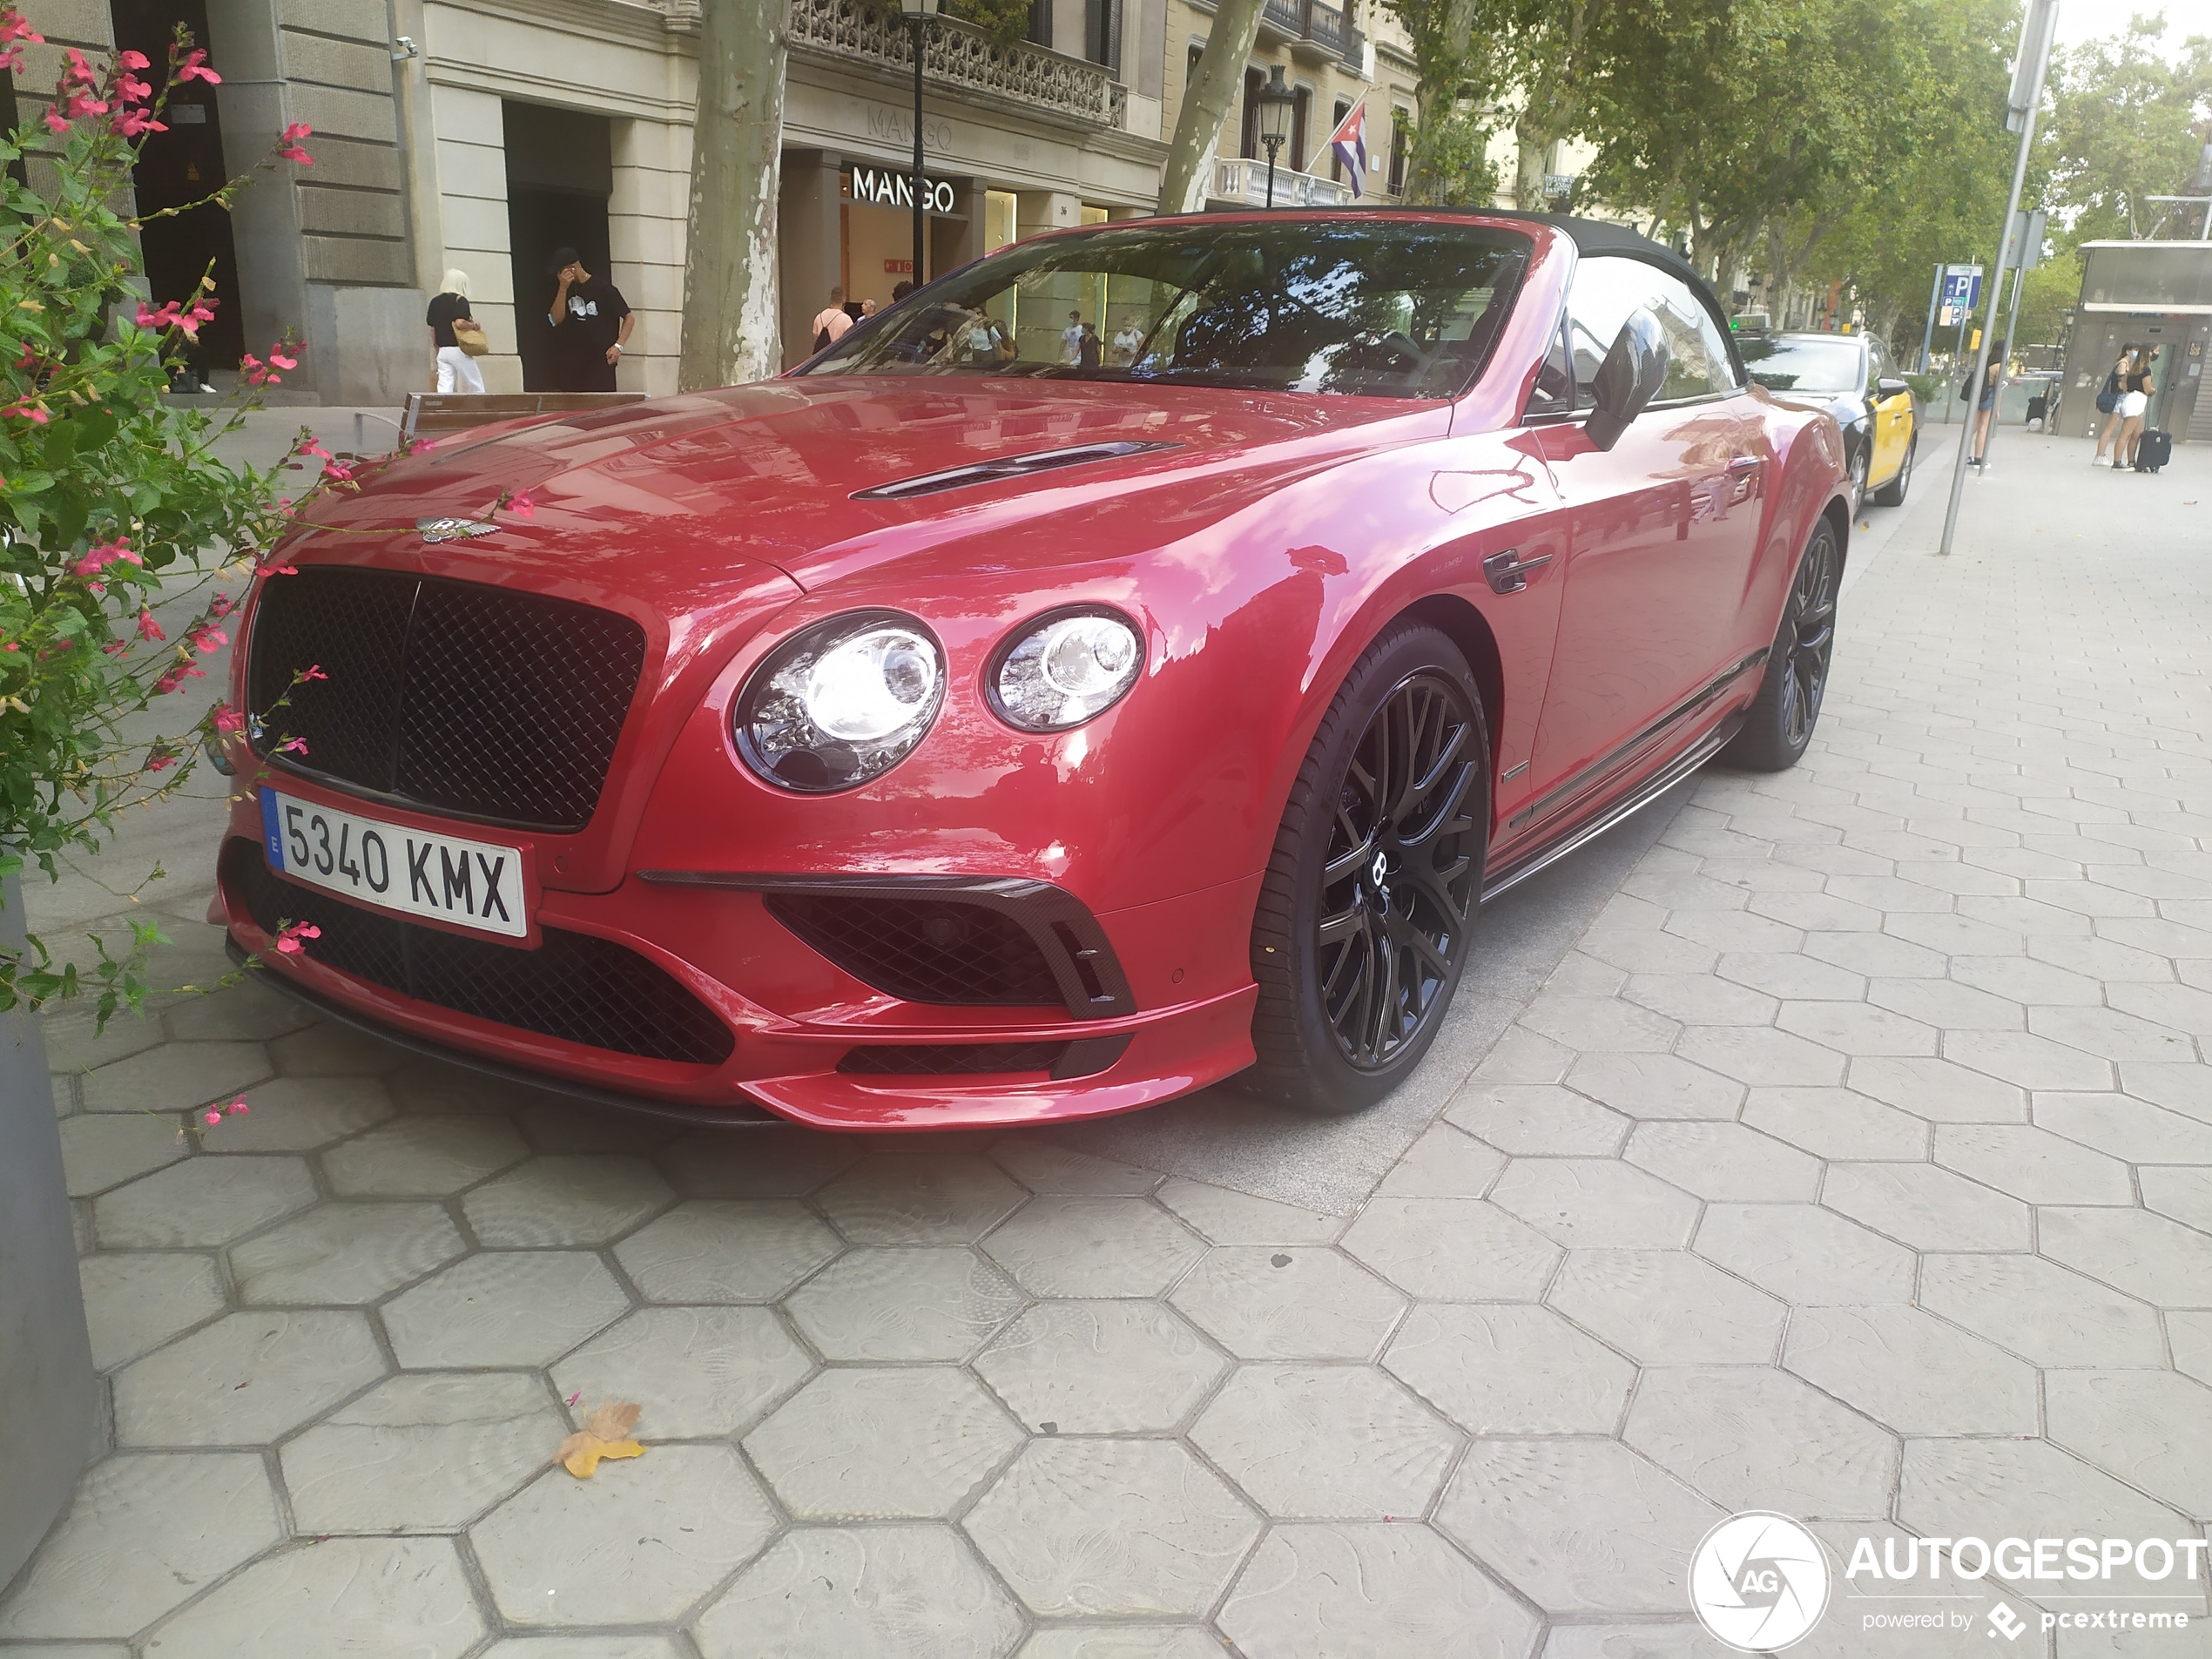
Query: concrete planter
{"x": 51, "y": 1427}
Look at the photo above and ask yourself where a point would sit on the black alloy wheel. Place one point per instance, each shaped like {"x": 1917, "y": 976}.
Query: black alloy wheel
{"x": 1861, "y": 464}
{"x": 1892, "y": 493}
{"x": 1362, "y": 929}
{"x": 1780, "y": 722}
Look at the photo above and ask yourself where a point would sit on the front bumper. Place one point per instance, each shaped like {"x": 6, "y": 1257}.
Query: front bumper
{"x": 807, "y": 1039}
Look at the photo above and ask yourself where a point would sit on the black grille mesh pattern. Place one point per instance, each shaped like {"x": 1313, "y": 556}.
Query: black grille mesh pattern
{"x": 925, "y": 950}
{"x": 574, "y": 986}
{"x": 951, "y": 1059}
{"x": 463, "y": 699}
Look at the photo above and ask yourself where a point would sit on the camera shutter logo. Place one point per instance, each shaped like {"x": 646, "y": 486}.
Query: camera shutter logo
{"x": 1758, "y": 1582}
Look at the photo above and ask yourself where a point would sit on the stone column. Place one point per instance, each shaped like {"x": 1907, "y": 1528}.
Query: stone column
{"x": 812, "y": 242}
{"x": 1042, "y": 318}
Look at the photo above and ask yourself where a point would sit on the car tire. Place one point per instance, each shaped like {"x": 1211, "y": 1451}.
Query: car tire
{"x": 1360, "y": 936}
{"x": 1892, "y": 493}
{"x": 1781, "y": 717}
{"x": 1861, "y": 465}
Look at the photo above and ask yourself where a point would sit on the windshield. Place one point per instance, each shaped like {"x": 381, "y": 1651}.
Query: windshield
{"x": 1374, "y": 308}
{"x": 1784, "y": 363}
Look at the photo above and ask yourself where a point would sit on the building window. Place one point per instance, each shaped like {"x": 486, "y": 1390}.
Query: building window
{"x": 1401, "y": 123}
{"x": 1041, "y": 22}
{"x": 1336, "y": 165}
{"x": 1300, "y": 134}
{"x": 1248, "y": 123}
{"x": 1103, "y": 33}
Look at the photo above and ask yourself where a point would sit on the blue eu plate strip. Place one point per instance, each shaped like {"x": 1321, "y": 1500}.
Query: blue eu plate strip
{"x": 272, "y": 836}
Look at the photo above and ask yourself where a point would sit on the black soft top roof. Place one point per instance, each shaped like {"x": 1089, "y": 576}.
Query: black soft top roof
{"x": 1588, "y": 235}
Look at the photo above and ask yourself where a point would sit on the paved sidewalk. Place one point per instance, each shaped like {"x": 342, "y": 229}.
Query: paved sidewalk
{"x": 1856, "y": 1163}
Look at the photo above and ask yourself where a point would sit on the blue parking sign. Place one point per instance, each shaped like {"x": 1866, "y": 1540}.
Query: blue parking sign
{"x": 1961, "y": 286}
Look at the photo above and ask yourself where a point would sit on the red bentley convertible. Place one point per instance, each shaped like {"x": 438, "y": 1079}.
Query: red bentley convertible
{"x": 969, "y": 728}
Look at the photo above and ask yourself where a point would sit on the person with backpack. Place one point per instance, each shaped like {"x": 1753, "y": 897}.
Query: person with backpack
{"x": 2135, "y": 403}
{"x": 2109, "y": 401}
{"x": 1986, "y": 409}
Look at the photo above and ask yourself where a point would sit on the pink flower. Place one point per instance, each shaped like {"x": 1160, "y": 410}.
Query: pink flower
{"x": 311, "y": 447}
{"x": 228, "y": 721}
{"x": 281, "y": 361}
{"x": 312, "y": 671}
{"x": 177, "y": 676}
{"x": 126, "y": 59}
{"x": 339, "y": 472}
{"x": 105, "y": 554}
{"x": 213, "y": 1118}
{"x": 165, "y": 318}
{"x": 158, "y": 761}
{"x": 207, "y": 638}
{"x": 132, "y": 124}
{"x": 222, "y": 605}
{"x": 56, "y": 124}
{"x": 288, "y": 939}
{"x": 12, "y": 27}
{"x": 238, "y": 1107}
{"x": 521, "y": 506}
{"x": 149, "y": 629}
{"x": 292, "y": 746}
{"x": 288, "y": 144}
{"x": 280, "y": 570}
{"x": 194, "y": 68}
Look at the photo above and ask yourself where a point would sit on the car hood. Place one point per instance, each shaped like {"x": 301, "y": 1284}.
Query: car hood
{"x": 665, "y": 499}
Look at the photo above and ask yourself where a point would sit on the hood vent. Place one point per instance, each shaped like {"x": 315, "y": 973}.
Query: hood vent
{"x": 990, "y": 472}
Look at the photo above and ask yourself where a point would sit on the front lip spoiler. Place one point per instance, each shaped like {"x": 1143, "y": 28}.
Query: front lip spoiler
{"x": 737, "y": 1115}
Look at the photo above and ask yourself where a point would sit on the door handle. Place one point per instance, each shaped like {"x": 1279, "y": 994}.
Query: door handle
{"x": 1743, "y": 464}
{"x": 1508, "y": 573}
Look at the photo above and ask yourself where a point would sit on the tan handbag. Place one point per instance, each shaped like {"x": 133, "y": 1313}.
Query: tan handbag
{"x": 468, "y": 335}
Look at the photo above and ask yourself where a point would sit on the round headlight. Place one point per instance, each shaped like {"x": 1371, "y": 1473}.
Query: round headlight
{"x": 1065, "y": 669}
{"x": 840, "y": 701}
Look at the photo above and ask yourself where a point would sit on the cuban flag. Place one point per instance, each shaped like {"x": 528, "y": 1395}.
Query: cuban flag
{"x": 1349, "y": 142}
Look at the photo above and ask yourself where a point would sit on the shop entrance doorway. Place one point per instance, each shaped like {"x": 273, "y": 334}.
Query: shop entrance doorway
{"x": 560, "y": 172}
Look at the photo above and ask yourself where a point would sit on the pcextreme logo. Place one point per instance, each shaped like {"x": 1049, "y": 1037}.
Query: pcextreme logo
{"x": 1758, "y": 1582}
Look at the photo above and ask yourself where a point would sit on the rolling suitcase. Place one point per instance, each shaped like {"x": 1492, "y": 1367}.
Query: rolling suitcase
{"x": 2154, "y": 450}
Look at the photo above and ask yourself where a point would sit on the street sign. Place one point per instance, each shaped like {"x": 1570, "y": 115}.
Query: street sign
{"x": 2024, "y": 244}
{"x": 1961, "y": 288}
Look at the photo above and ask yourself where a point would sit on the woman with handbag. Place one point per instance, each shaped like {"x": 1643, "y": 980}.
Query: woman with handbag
{"x": 2135, "y": 403}
{"x": 456, "y": 337}
{"x": 2109, "y": 401}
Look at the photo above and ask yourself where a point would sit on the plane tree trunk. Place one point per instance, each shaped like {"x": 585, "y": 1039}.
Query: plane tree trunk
{"x": 1215, "y": 86}
{"x": 730, "y": 302}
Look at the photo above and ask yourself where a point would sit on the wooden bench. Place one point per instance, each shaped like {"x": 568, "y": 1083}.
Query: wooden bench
{"x": 431, "y": 413}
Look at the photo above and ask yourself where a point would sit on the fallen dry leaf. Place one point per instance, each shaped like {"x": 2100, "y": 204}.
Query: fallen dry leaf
{"x": 605, "y": 1434}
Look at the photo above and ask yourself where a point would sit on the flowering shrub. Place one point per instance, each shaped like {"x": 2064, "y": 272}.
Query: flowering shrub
{"x": 111, "y": 500}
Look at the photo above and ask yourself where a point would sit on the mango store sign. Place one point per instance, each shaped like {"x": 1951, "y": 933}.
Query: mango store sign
{"x": 888, "y": 189}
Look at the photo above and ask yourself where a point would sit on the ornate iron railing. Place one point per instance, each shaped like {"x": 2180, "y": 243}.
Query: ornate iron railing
{"x": 958, "y": 54}
{"x": 1309, "y": 20}
{"x": 1243, "y": 181}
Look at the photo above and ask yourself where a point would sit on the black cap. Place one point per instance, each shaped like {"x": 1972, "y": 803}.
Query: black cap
{"x": 563, "y": 258}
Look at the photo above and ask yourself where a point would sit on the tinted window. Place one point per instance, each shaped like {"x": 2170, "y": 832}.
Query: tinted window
{"x": 1803, "y": 362}
{"x": 1369, "y": 308}
{"x": 1607, "y": 288}
{"x": 1553, "y": 392}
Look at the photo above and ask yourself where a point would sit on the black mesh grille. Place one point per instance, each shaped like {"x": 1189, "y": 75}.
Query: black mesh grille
{"x": 925, "y": 950}
{"x": 460, "y": 698}
{"x": 573, "y": 986}
{"x": 949, "y": 1059}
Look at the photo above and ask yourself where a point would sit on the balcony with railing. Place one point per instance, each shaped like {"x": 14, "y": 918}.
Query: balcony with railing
{"x": 1243, "y": 181}
{"x": 959, "y": 55}
{"x": 1311, "y": 30}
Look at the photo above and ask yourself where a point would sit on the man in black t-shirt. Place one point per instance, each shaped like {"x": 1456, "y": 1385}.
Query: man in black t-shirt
{"x": 592, "y": 323}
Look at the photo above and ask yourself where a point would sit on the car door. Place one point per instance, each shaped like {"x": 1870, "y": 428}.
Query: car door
{"x": 1663, "y": 529}
{"x": 1892, "y": 416}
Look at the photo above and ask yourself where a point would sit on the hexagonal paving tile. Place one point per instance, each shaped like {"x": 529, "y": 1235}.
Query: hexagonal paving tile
{"x": 1372, "y": 1589}
{"x": 334, "y": 1051}
{"x": 1667, "y": 1307}
{"x": 2031, "y": 1163}
{"x": 1076, "y": 1246}
{"x": 550, "y": 1124}
{"x": 1940, "y": 1091}
{"x": 2145, "y": 1254}
{"x": 1100, "y": 1368}
{"x": 1658, "y": 1085}
{"x": 1577, "y": 1525}
{"x": 344, "y": 1595}
{"x": 104, "y": 1149}
{"x": 433, "y": 1088}
{"x": 135, "y": 1302}
{"x": 1444, "y": 1163}
{"x": 1804, "y": 1254}
{"x": 705, "y": 1371}
{"x": 917, "y": 1592}
{"x": 1927, "y": 1208}
{"x": 2133, "y": 1131}
{"x": 247, "y": 1011}
{"x": 175, "y": 1076}
{"x": 2191, "y": 1334}
{"x": 421, "y": 1453}
{"x": 1288, "y": 1303}
{"x": 1223, "y": 1215}
{"x": 1856, "y": 1028}
{"x": 2028, "y": 1061}
{"x": 913, "y": 1194}
{"x": 504, "y": 1308}
{"x": 1325, "y": 1442}
{"x": 2151, "y": 1428}
{"x": 121, "y": 1534}
{"x": 1749, "y": 1437}
{"x": 882, "y": 1443}
{"x": 1452, "y": 1250}
{"x": 578, "y": 1199}
{"x": 2183, "y": 1193}
{"x": 1835, "y": 1123}
{"x": 1910, "y": 1372}
{"x": 1508, "y": 1370}
{"x": 2040, "y": 1310}
{"x": 637, "y": 1544}
{"x": 1042, "y": 1166}
{"x": 345, "y": 1253}
{"x": 244, "y": 1380}
{"x": 760, "y": 1160}
{"x": 423, "y": 1157}
{"x": 1528, "y": 1119}
{"x": 927, "y": 1303}
{"x": 201, "y": 1201}
{"x": 1757, "y": 1054}
{"x": 1112, "y": 1527}
{"x": 1723, "y": 1161}
{"x": 726, "y": 1250}
{"x": 303, "y": 1114}
{"x": 1596, "y": 1202}
{"x": 1119, "y": 1641}
{"x": 1625, "y": 1641}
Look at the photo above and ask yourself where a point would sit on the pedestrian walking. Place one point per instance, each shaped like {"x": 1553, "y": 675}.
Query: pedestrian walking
{"x": 1985, "y": 408}
{"x": 1129, "y": 339}
{"x": 1071, "y": 341}
{"x": 591, "y": 324}
{"x": 1090, "y": 348}
{"x": 832, "y": 321}
{"x": 2108, "y": 396}
{"x": 2134, "y": 402}
{"x": 457, "y": 367}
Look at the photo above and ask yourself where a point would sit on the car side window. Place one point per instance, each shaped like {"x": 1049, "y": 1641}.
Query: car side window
{"x": 1607, "y": 288}
{"x": 1554, "y": 393}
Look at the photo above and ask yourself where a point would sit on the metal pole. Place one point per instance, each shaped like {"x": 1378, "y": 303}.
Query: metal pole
{"x": 1927, "y": 334}
{"x": 2037, "y": 40}
{"x": 1271, "y": 144}
{"x": 921, "y": 190}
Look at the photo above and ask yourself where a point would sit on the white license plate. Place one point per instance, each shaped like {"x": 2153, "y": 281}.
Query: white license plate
{"x": 471, "y": 884}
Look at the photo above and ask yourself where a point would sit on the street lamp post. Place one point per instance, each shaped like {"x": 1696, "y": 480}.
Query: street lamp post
{"x": 1276, "y": 102}
{"x": 918, "y": 14}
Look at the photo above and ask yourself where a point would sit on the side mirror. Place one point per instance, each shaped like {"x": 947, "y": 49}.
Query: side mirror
{"x": 1889, "y": 386}
{"x": 1629, "y": 378}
